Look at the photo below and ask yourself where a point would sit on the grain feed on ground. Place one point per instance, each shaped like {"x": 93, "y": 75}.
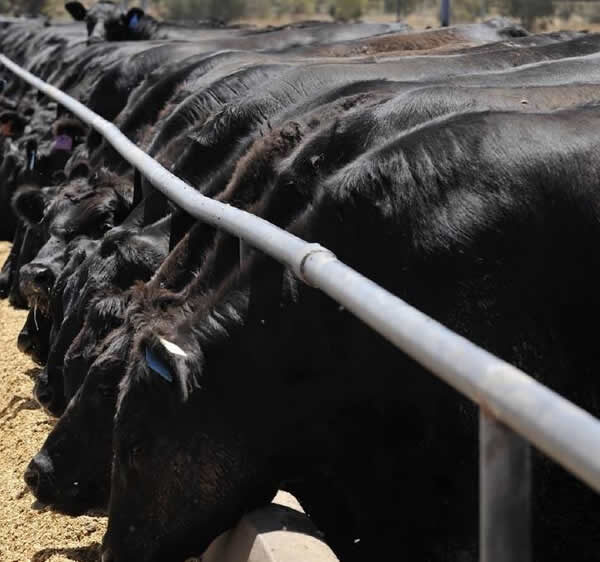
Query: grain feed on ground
{"x": 27, "y": 534}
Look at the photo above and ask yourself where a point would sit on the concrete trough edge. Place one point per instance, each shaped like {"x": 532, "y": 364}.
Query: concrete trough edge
{"x": 280, "y": 532}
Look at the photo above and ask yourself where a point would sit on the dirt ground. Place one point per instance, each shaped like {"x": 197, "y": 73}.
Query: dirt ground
{"x": 26, "y": 533}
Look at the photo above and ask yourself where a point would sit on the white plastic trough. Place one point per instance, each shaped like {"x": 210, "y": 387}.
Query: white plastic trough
{"x": 280, "y": 532}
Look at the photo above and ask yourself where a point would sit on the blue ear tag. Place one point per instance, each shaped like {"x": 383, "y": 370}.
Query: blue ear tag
{"x": 158, "y": 366}
{"x": 133, "y": 22}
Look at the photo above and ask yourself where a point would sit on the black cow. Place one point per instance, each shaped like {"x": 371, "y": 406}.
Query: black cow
{"x": 218, "y": 135}
{"x": 222, "y": 132}
{"x": 491, "y": 220}
{"x": 371, "y": 115}
{"x": 310, "y": 78}
{"x": 41, "y": 327}
{"x": 253, "y": 181}
{"x": 125, "y": 255}
{"x": 105, "y": 271}
{"x": 32, "y": 158}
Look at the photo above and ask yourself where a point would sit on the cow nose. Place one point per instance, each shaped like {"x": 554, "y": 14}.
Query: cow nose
{"x": 44, "y": 394}
{"x": 4, "y": 283}
{"x": 39, "y": 468}
{"x": 42, "y": 275}
{"x": 36, "y": 276}
{"x": 24, "y": 341}
{"x": 32, "y": 478}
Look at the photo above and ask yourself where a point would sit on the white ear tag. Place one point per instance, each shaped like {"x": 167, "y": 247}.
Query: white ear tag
{"x": 172, "y": 348}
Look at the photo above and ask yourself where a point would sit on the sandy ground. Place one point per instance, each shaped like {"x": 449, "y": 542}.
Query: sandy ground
{"x": 27, "y": 534}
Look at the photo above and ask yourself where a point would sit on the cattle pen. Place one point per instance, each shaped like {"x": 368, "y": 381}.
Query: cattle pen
{"x": 515, "y": 410}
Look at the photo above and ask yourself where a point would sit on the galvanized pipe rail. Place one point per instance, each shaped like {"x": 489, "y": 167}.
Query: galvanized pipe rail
{"x": 513, "y": 406}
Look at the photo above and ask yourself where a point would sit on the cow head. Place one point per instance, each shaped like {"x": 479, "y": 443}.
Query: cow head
{"x": 182, "y": 477}
{"x": 105, "y": 21}
{"x": 45, "y": 161}
{"x": 80, "y": 209}
{"x": 91, "y": 410}
{"x": 67, "y": 473}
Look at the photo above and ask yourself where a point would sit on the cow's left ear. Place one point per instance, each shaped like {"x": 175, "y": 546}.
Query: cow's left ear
{"x": 77, "y": 10}
{"x": 167, "y": 361}
{"x": 29, "y": 204}
{"x": 158, "y": 365}
{"x": 133, "y": 17}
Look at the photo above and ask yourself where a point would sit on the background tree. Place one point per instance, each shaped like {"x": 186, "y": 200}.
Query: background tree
{"x": 347, "y": 10}
{"x": 224, "y": 10}
{"x": 527, "y": 10}
{"x": 401, "y": 7}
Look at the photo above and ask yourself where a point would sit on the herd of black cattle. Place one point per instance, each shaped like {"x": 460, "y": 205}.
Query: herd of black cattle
{"x": 458, "y": 168}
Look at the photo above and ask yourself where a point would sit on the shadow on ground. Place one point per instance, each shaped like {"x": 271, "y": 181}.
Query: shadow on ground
{"x": 16, "y": 405}
{"x": 89, "y": 553}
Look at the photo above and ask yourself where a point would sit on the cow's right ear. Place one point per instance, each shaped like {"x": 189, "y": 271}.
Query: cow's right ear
{"x": 29, "y": 204}
{"x": 77, "y": 10}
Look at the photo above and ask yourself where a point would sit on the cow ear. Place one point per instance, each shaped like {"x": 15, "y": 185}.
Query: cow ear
{"x": 77, "y": 10}
{"x": 158, "y": 366}
{"x": 133, "y": 17}
{"x": 168, "y": 362}
{"x": 29, "y": 203}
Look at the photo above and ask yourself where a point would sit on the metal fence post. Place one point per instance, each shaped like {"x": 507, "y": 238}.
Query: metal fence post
{"x": 504, "y": 493}
{"x": 445, "y": 13}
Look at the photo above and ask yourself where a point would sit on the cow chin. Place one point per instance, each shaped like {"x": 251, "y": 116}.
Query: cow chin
{"x": 177, "y": 551}
{"x": 76, "y": 510}
{"x": 73, "y": 502}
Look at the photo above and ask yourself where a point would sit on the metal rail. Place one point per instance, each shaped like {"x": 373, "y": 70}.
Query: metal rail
{"x": 445, "y": 13}
{"x": 508, "y": 398}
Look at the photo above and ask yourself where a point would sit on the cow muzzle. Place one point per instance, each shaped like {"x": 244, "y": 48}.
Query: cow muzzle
{"x": 38, "y": 473}
{"x": 36, "y": 282}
